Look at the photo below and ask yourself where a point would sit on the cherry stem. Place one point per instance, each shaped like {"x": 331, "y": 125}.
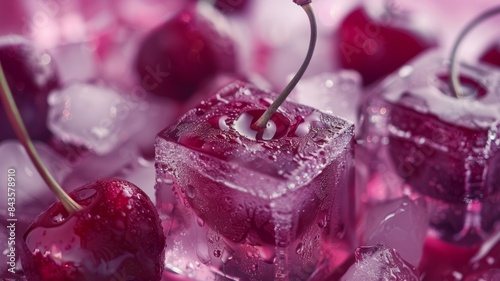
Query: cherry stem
{"x": 262, "y": 121}
{"x": 454, "y": 76}
{"x": 22, "y": 134}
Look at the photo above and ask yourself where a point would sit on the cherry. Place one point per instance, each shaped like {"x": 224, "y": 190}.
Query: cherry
{"x": 492, "y": 55}
{"x": 117, "y": 234}
{"x": 230, "y": 6}
{"x": 31, "y": 75}
{"x": 184, "y": 52}
{"x": 376, "y": 48}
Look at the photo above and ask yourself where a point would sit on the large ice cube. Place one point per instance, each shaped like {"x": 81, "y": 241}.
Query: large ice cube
{"x": 254, "y": 204}
{"x": 379, "y": 262}
{"x": 442, "y": 146}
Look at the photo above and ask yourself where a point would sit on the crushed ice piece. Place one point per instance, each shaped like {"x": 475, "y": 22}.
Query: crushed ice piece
{"x": 379, "y": 262}
{"x": 93, "y": 116}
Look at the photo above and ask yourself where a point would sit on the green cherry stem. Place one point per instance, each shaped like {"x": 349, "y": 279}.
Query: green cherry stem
{"x": 262, "y": 121}
{"x": 22, "y": 134}
{"x": 454, "y": 76}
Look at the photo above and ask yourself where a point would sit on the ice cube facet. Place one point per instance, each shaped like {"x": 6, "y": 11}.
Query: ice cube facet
{"x": 379, "y": 262}
{"x": 254, "y": 204}
{"x": 400, "y": 224}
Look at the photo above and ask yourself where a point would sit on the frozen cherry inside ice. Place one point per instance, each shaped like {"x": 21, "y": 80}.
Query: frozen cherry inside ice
{"x": 375, "y": 47}
{"x": 185, "y": 52}
{"x": 116, "y": 236}
{"x": 224, "y": 131}
{"x": 242, "y": 182}
{"x": 441, "y": 145}
{"x": 31, "y": 75}
{"x": 440, "y": 173}
{"x": 230, "y": 6}
{"x": 491, "y": 55}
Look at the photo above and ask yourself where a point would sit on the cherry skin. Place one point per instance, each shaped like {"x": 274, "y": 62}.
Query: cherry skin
{"x": 31, "y": 76}
{"x": 184, "y": 52}
{"x": 231, "y": 6}
{"x": 116, "y": 236}
{"x": 374, "y": 48}
{"x": 492, "y": 55}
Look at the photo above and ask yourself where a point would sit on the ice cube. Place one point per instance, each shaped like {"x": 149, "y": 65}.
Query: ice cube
{"x": 31, "y": 192}
{"x": 152, "y": 114}
{"x": 91, "y": 115}
{"x": 335, "y": 93}
{"x": 400, "y": 224}
{"x": 140, "y": 172}
{"x": 75, "y": 62}
{"x": 145, "y": 14}
{"x": 91, "y": 167}
{"x": 374, "y": 263}
{"x": 444, "y": 147}
{"x": 268, "y": 197}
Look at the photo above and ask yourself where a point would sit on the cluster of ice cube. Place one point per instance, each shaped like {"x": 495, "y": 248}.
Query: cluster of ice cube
{"x": 425, "y": 162}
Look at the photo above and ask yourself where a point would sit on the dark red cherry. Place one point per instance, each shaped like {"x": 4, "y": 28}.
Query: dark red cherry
{"x": 185, "y": 52}
{"x": 492, "y": 55}
{"x": 116, "y": 236}
{"x": 375, "y": 47}
{"x": 230, "y": 6}
{"x": 31, "y": 75}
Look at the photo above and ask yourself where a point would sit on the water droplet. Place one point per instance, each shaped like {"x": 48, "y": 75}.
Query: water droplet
{"x": 200, "y": 222}
{"x": 300, "y": 249}
{"x": 58, "y": 218}
{"x": 190, "y": 191}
